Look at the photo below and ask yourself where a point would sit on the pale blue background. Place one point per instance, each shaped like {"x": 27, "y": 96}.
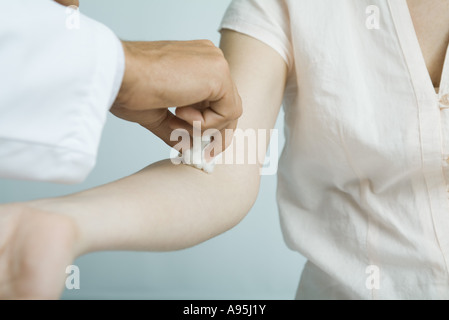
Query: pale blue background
{"x": 249, "y": 262}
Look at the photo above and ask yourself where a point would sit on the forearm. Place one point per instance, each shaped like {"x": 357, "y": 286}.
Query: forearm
{"x": 163, "y": 207}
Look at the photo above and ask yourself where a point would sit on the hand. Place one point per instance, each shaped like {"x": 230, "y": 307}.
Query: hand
{"x": 191, "y": 75}
{"x": 35, "y": 249}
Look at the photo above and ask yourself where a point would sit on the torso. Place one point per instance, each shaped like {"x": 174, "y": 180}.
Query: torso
{"x": 432, "y": 29}
{"x": 363, "y": 179}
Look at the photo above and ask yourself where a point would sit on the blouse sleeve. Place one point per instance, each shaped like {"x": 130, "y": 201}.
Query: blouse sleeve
{"x": 265, "y": 20}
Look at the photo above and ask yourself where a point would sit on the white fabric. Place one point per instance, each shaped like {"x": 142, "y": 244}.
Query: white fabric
{"x": 363, "y": 176}
{"x": 56, "y": 86}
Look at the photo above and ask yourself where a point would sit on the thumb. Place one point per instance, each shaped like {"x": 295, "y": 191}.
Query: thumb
{"x": 178, "y": 139}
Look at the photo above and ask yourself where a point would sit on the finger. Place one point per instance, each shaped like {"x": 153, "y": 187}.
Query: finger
{"x": 163, "y": 130}
{"x": 69, "y": 2}
{"x": 190, "y": 114}
{"x": 221, "y": 140}
{"x": 214, "y": 114}
{"x": 229, "y": 106}
{"x": 208, "y": 119}
{"x": 197, "y": 106}
{"x": 177, "y": 123}
{"x": 204, "y": 43}
{"x": 214, "y": 120}
{"x": 223, "y": 111}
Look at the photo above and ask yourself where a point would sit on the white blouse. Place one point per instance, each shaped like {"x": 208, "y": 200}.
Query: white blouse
{"x": 363, "y": 179}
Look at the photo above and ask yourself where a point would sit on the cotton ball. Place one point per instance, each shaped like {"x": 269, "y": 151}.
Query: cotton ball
{"x": 196, "y": 157}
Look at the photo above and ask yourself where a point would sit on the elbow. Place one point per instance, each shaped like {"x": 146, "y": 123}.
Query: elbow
{"x": 244, "y": 195}
{"x": 252, "y": 192}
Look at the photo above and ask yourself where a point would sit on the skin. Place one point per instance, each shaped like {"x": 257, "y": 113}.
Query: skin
{"x": 69, "y": 2}
{"x": 156, "y": 209}
{"x": 428, "y": 17}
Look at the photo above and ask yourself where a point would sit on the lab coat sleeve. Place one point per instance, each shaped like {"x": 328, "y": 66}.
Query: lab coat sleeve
{"x": 57, "y": 83}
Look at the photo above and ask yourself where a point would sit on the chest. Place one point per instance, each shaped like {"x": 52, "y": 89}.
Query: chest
{"x": 431, "y": 21}
{"x": 367, "y": 92}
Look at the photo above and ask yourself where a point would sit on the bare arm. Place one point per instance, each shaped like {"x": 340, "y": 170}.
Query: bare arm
{"x": 168, "y": 207}
{"x": 163, "y": 207}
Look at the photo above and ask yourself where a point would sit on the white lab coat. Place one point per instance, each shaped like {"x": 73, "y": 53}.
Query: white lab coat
{"x": 57, "y": 83}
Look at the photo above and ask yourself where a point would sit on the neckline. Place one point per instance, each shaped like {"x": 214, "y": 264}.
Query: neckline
{"x": 413, "y": 53}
